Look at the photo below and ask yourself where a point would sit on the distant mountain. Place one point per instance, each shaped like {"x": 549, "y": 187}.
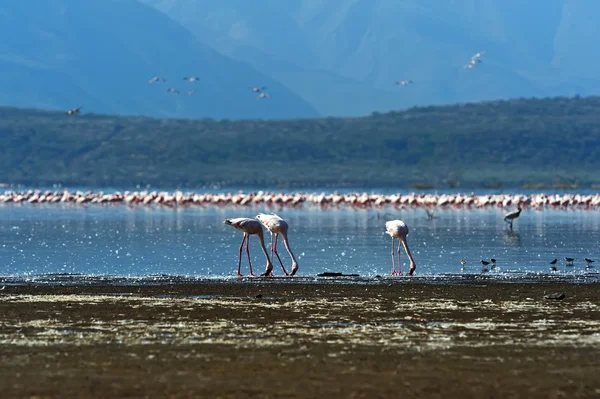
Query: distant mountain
{"x": 101, "y": 54}
{"x": 343, "y": 56}
{"x": 536, "y": 142}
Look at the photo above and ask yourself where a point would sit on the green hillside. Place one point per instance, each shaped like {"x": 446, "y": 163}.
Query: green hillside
{"x": 516, "y": 142}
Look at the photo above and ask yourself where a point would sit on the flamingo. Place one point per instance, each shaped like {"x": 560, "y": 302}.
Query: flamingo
{"x": 277, "y": 226}
{"x": 248, "y": 227}
{"x": 510, "y": 216}
{"x": 397, "y": 229}
{"x": 74, "y": 111}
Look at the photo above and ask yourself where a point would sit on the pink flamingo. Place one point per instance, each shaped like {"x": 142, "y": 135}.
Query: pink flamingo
{"x": 248, "y": 227}
{"x": 397, "y": 229}
{"x": 277, "y": 226}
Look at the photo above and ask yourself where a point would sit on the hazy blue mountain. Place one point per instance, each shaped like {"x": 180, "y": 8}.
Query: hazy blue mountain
{"x": 534, "y": 48}
{"x": 101, "y": 54}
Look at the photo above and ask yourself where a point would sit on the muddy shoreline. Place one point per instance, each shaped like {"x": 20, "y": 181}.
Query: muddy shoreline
{"x": 298, "y": 339}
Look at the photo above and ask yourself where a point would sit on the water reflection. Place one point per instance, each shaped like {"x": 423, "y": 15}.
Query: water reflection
{"x": 194, "y": 241}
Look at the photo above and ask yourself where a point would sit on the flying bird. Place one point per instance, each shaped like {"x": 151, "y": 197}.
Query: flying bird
{"x": 258, "y": 89}
{"x": 510, "y": 216}
{"x": 263, "y": 95}
{"x": 156, "y": 79}
{"x": 478, "y": 55}
{"x": 191, "y": 92}
{"x": 249, "y": 227}
{"x": 277, "y": 226}
{"x": 172, "y": 90}
{"x": 404, "y": 82}
{"x": 74, "y": 111}
{"x": 191, "y": 79}
{"x": 398, "y": 229}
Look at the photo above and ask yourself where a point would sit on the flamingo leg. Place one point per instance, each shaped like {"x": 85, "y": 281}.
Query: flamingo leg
{"x": 399, "y": 272}
{"x": 239, "y": 273}
{"x": 248, "y": 253}
{"x": 393, "y": 260}
{"x": 276, "y": 254}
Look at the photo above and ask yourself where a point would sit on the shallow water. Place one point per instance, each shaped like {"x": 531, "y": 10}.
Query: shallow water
{"x": 139, "y": 241}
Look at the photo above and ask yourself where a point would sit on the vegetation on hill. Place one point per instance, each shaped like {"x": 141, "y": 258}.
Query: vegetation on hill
{"x": 517, "y": 142}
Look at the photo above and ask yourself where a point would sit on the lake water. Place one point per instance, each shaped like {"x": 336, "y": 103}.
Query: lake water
{"x": 139, "y": 241}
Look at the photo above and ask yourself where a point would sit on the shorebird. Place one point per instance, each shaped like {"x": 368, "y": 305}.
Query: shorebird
{"x": 569, "y": 261}
{"x": 258, "y": 89}
{"x": 510, "y": 216}
{"x": 74, "y": 111}
{"x": 263, "y": 95}
{"x": 156, "y": 79}
{"x": 191, "y": 79}
{"x": 277, "y": 226}
{"x": 553, "y": 268}
{"x": 493, "y": 263}
{"x": 589, "y": 263}
{"x": 249, "y": 227}
{"x": 484, "y": 266}
{"x": 554, "y": 262}
{"x": 462, "y": 265}
{"x": 172, "y": 90}
{"x": 404, "y": 82}
{"x": 398, "y": 229}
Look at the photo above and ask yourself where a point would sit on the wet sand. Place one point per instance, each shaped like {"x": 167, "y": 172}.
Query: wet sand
{"x": 295, "y": 339}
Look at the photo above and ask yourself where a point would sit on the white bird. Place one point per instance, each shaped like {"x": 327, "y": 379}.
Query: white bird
{"x": 263, "y": 95}
{"x": 478, "y": 55}
{"x": 404, "y": 82}
{"x": 191, "y": 92}
{"x": 277, "y": 226}
{"x": 74, "y": 111}
{"x": 469, "y": 66}
{"x": 248, "y": 227}
{"x": 172, "y": 90}
{"x": 156, "y": 79}
{"x": 258, "y": 89}
{"x": 191, "y": 79}
{"x": 398, "y": 229}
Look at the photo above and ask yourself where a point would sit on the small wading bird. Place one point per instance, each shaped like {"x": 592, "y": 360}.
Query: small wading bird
{"x": 74, "y": 111}
{"x": 397, "y": 229}
{"x": 493, "y": 263}
{"x": 249, "y": 227}
{"x": 569, "y": 261}
{"x": 191, "y": 79}
{"x": 277, "y": 226}
{"x": 553, "y": 268}
{"x": 258, "y": 89}
{"x": 263, "y": 95}
{"x": 589, "y": 263}
{"x": 510, "y": 216}
{"x": 462, "y": 265}
{"x": 403, "y": 82}
{"x": 172, "y": 90}
{"x": 484, "y": 266}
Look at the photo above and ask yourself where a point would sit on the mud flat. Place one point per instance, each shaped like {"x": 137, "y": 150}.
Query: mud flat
{"x": 220, "y": 339}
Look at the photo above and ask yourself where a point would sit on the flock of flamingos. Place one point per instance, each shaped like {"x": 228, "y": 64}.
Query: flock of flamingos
{"x": 299, "y": 199}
